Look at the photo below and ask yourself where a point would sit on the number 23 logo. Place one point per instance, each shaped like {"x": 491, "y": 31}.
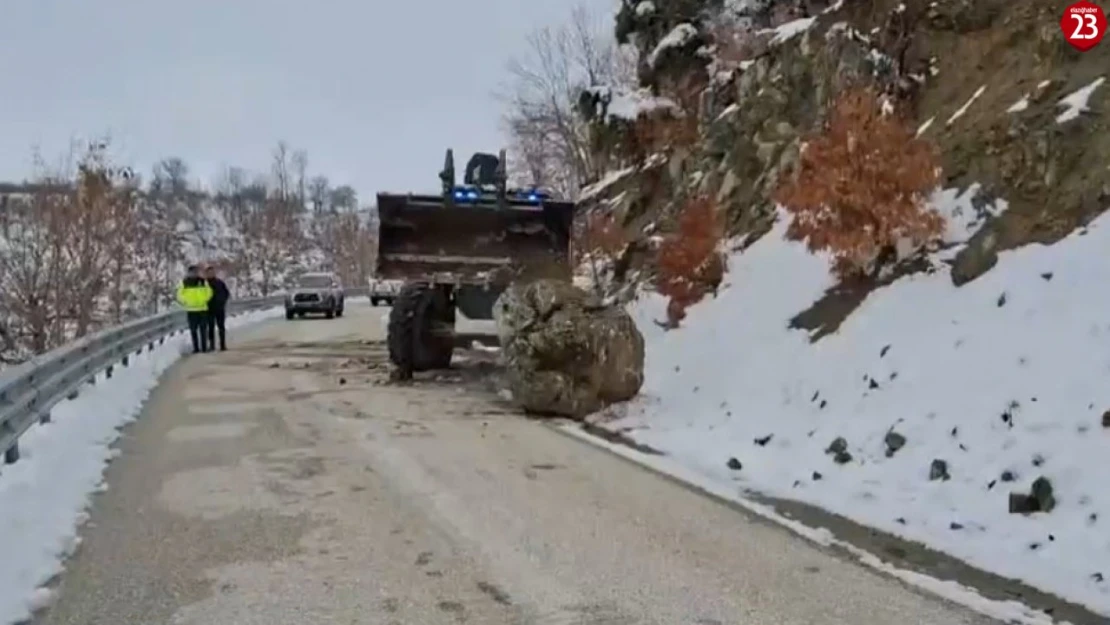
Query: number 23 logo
{"x": 1083, "y": 25}
{"x": 1086, "y": 26}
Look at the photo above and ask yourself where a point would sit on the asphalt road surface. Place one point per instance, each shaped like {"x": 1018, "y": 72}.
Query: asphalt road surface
{"x": 286, "y": 482}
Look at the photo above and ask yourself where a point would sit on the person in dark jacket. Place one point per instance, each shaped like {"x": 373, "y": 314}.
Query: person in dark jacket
{"x": 193, "y": 294}
{"x": 217, "y": 309}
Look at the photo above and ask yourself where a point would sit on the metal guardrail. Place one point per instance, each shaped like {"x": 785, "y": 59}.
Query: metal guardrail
{"x": 30, "y": 390}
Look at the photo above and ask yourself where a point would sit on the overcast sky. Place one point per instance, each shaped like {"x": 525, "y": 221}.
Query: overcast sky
{"x": 374, "y": 90}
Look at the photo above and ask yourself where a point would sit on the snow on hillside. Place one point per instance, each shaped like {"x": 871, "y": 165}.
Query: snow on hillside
{"x": 989, "y": 386}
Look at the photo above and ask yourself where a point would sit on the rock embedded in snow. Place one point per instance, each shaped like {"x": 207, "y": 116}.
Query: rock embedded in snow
{"x": 839, "y": 450}
{"x": 734, "y": 464}
{"x": 1041, "y": 498}
{"x": 565, "y": 352}
{"x": 894, "y": 441}
{"x": 1043, "y": 494}
{"x": 938, "y": 470}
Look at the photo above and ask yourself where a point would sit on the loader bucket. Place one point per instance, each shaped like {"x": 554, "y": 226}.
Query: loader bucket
{"x": 427, "y": 238}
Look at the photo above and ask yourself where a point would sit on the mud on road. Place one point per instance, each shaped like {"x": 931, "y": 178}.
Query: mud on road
{"x": 287, "y": 482}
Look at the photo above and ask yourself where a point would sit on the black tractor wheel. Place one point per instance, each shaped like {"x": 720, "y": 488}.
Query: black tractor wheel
{"x": 421, "y": 325}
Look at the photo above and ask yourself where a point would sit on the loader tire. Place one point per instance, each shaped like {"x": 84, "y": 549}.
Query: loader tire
{"x": 414, "y": 343}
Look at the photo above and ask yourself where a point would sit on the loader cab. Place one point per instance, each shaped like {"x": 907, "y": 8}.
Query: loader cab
{"x": 483, "y": 178}
{"x": 482, "y": 170}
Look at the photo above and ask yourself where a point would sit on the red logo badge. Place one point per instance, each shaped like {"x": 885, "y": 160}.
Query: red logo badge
{"x": 1084, "y": 25}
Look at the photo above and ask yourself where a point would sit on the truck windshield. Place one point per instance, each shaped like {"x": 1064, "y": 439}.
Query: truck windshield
{"x": 315, "y": 282}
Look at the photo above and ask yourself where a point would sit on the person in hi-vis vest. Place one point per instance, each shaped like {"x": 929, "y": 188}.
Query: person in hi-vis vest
{"x": 194, "y": 294}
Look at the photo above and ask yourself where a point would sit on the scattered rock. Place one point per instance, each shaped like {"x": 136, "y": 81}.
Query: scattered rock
{"x": 839, "y": 445}
{"x": 342, "y": 381}
{"x": 274, "y": 365}
{"x": 565, "y": 353}
{"x": 1046, "y": 276}
{"x": 955, "y": 526}
{"x": 817, "y": 476}
{"x": 1097, "y": 577}
{"x": 894, "y": 441}
{"x": 1042, "y": 492}
{"x": 1007, "y": 476}
{"x": 762, "y": 442}
{"x": 1040, "y": 498}
{"x": 1001, "y": 300}
{"x": 938, "y": 470}
{"x": 735, "y": 464}
{"x": 842, "y": 457}
{"x": 1038, "y": 460}
{"x": 1106, "y": 419}
{"x": 884, "y": 350}
{"x": 872, "y": 384}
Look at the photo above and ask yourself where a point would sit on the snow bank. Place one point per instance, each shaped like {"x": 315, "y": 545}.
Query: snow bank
{"x": 44, "y": 496}
{"x": 1004, "y": 379}
{"x": 629, "y": 104}
{"x": 1077, "y": 102}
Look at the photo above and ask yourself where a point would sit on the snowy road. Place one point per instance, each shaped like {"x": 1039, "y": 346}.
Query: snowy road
{"x": 283, "y": 483}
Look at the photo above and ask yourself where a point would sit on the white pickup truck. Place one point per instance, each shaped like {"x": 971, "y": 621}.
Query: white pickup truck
{"x": 384, "y": 291}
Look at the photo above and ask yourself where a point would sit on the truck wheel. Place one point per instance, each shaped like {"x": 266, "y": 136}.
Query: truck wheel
{"x": 329, "y": 313}
{"x": 288, "y": 314}
{"x": 373, "y": 301}
{"x": 421, "y": 326}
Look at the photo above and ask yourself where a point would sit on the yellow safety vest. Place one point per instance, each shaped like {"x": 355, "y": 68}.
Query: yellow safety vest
{"x": 194, "y": 298}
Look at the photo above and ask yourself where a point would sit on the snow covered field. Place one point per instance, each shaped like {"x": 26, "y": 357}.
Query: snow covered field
{"x": 1003, "y": 380}
{"x": 44, "y": 496}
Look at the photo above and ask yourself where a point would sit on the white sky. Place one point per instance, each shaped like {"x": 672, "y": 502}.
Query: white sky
{"x": 374, "y": 90}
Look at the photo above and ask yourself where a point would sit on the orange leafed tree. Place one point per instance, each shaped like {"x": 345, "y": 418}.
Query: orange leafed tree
{"x": 690, "y": 264}
{"x": 860, "y": 186}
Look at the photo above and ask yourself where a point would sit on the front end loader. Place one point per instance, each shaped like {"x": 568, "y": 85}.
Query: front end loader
{"x": 458, "y": 250}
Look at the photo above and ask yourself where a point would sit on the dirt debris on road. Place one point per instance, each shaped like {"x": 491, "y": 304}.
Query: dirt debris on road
{"x": 251, "y": 493}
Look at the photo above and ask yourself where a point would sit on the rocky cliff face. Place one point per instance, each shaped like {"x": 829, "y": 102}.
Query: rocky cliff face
{"x": 1016, "y": 113}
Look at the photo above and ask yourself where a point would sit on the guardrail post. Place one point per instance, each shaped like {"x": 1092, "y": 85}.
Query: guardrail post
{"x": 11, "y": 456}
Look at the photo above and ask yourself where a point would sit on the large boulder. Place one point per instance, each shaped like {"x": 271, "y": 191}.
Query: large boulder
{"x": 565, "y": 352}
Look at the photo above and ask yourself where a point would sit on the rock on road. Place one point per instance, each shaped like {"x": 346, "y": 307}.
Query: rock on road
{"x": 284, "y": 482}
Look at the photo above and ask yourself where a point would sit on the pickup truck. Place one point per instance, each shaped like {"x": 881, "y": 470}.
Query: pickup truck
{"x": 384, "y": 291}
{"x": 315, "y": 293}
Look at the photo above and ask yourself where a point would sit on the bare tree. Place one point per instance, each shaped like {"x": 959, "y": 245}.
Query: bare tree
{"x": 318, "y": 189}
{"x": 548, "y": 139}
{"x": 299, "y": 164}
